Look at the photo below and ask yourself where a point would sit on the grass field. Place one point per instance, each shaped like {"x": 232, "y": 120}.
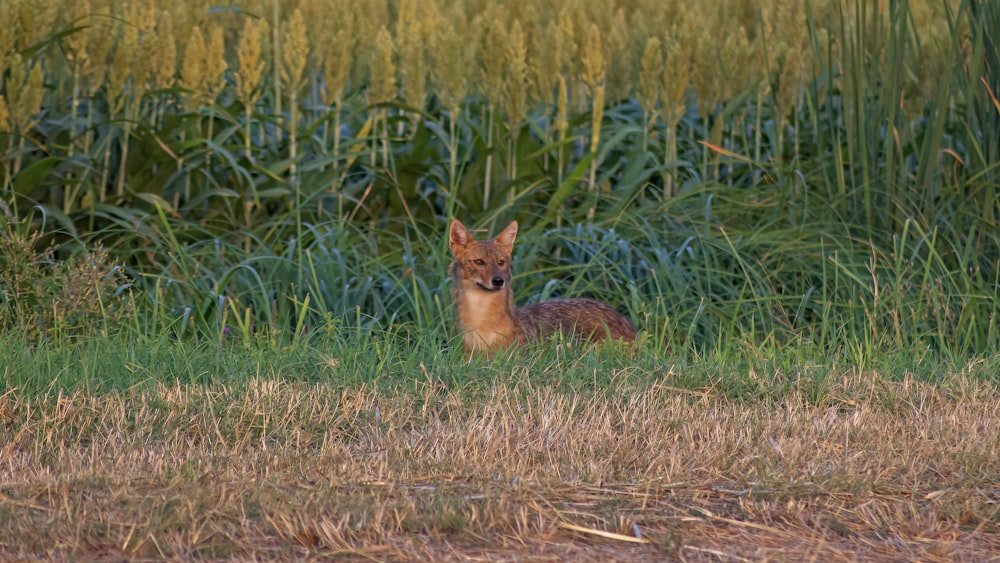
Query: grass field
{"x": 507, "y": 461}
{"x": 225, "y": 322}
{"x": 397, "y": 451}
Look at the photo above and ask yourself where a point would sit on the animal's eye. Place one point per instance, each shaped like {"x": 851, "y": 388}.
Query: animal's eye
{"x": 501, "y": 262}
{"x": 479, "y": 262}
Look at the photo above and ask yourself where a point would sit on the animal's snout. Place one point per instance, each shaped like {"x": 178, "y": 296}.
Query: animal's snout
{"x": 498, "y": 282}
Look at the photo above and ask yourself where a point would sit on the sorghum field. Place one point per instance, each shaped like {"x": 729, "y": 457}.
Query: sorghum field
{"x": 225, "y": 313}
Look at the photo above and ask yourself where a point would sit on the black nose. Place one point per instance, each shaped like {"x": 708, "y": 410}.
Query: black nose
{"x": 498, "y": 282}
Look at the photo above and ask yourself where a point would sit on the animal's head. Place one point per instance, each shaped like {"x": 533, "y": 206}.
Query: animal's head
{"x": 484, "y": 264}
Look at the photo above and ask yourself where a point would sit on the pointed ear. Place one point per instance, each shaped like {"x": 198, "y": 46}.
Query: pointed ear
{"x": 458, "y": 236}
{"x": 506, "y": 236}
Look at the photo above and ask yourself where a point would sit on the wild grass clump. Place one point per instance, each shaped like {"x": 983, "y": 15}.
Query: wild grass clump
{"x": 42, "y": 297}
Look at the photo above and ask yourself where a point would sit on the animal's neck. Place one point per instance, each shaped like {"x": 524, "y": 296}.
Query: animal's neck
{"x": 483, "y": 310}
{"x": 487, "y": 318}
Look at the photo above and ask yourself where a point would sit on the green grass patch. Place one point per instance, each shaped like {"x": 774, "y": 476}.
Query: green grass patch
{"x": 391, "y": 361}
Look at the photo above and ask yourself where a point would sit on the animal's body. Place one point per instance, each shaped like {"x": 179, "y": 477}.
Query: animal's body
{"x": 487, "y": 315}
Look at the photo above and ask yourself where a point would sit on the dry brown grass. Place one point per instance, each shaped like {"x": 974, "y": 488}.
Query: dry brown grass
{"x": 874, "y": 470}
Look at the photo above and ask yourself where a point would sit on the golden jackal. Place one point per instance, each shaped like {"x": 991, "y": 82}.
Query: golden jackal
{"x": 487, "y": 316}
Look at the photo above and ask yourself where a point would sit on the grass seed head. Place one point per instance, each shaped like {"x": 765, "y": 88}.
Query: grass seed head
{"x": 24, "y": 93}
{"x": 145, "y": 15}
{"x": 704, "y": 71}
{"x": 193, "y": 71}
{"x": 8, "y": 39}
{"x": 739, "y": 69}
{"x": 452, "y": 56}
{"x": 675, "y": 80}
{"x": 204, "y": 66}
{"x": 249, "y": 61}
{"x": 122, "y": 57}
{"x": 141, "y": 31}
{"x": 785, "y": 29}
{"x": 163, "y": 46}
{"x": 618, "y": 55}
{"x": 383, "y": 81}
{"x": 98, "y": 50}
{"x": 651, "y": 69}
{"x": 411, "y": 43}
{"x": 74, "y": 44}
{"x": 592, "y": 59}
{"x": 37, "y": 21}
{"x": 491, "y": 34}
{"x": 340, "y": 43}
{"x": 790, "y": 68}
{"x": 5, "y": 123}
{"x": 567, "y": 41}
{"x": 368, "y": 17}
{"x": 544, "y": 61}
{"x": 215, "y": 64}
{"x": 14, "y": 83}
{"x": 515, "y": 73}
{"x": 294, "y": 51}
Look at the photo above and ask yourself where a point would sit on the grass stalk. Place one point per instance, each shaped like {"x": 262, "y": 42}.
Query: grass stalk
{"x": 597, "y": 117}
{"x": 276, "y": 61}
{"x": 669, "y": 158}
{"x": 71, "y": 193}
{"x": 336, "y": 140}
{"x": 131, "y": 117}
{"x": 489, "y": 112}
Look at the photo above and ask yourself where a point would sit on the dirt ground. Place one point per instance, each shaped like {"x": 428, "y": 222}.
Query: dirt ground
{"x": 874, "y": 470}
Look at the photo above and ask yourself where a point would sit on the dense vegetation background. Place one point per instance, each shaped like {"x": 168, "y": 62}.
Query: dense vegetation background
{"x": 820, "y": 173}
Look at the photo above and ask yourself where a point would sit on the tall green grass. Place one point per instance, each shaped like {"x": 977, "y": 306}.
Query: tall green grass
{"x": 863, "y": 222}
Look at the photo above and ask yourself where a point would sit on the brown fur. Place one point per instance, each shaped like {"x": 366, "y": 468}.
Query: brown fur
{"x": 487, "y": 316}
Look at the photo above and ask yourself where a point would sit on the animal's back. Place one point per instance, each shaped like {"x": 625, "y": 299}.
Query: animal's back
{"x": 583, "y": 318}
